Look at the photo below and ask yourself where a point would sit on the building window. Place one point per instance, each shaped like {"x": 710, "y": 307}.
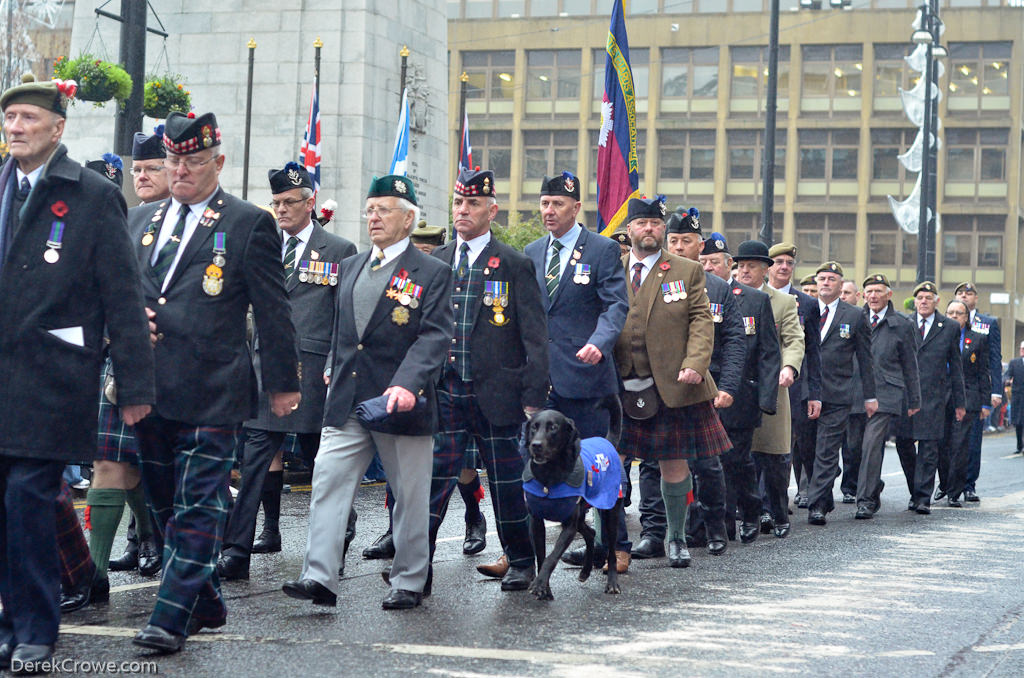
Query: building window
{"x": 689, "y": 79}
{"x": 479, "y": 9}
{"x": 832, "y": 78}
{"x": 887, "y": 172}
{"x": 978, "y": 76}
{"x": 546, "y": 153}
{"x": 825, "y": 237}
{"x": 739, "y": 227}
{"x": 492, "y": 150}
{"x": 891, "y": 75}
{"x": 972, "y": 241}
{"x": 686, "y": 154}
{"x": 748, "y": 87}
{"x": 828, "y": 162}
{"x": 553, "y": 82}
{"x": 891, "y": 250}
{"x": 643, "y": 6}
{"x": 639, "y": 63}
{"x": 746, "y": 154}
{"x": 976, "y": 163}
{"x": 491, "y": 83}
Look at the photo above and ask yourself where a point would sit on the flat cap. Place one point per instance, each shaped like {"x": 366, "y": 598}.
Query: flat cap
{"x": 53, "y": 95}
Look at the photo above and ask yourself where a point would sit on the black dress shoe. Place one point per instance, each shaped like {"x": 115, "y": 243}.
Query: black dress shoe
{"x": 939, "y": 494}
{"x": 267, "y": 542}
{"x": 749, "y": 532}
{"x": 924, "y": 510}
{"x": 6, "y": 650}
{"x": 476, "y": 537}
{"x": 400, "y": 599}
{"x": 717, "y": 547}
{"x": 381, "y": 549}
{"x": 517, "y": 578}
{"x": 849, "y": 498}
{"x": 150, "y": 558}
{"x": 385, "y": 574}
{"x": 954, "y": 502}
{"x": 782, "y": 530}
{"x": 575, "y": 556}
{"x": 28, "y": 660}
{"x": 307, "y": 589}
{"x": 678, "y": 556}
{"x": 912, "y": 505}
{"x": 971, "y": 495}
{"x": 767, "y": 523}
{"x": 155, "y": 638}
{"x": 803, "y": 502}
{"x": 816, "y": 517}
{"x": 649, "y": 547}
{"x": 128, "y": 561}
{"x": 231, "y": 568}
{"x": 94, "y": 591}
{"x": 864, "y": 513}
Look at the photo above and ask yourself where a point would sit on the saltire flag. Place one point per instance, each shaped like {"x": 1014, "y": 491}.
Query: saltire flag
{"x": 617, "y": 164}
{"x": 400, "y": 157}
{"x": 465, "y": 148}
{"x": 309, "y": 151}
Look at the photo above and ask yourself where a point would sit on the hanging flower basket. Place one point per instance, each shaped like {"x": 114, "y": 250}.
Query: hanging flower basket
{"x": 164, "y": 95}
{"x": 98, "y": 80}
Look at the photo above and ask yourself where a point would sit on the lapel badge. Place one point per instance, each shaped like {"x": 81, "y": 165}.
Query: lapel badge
{"x": 314, "y": 255}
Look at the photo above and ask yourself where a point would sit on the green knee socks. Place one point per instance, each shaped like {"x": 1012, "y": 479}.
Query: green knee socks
{"x": 137, "y": 503}
{"x": 676, "y": 508}
{"x": 106, "y": 506}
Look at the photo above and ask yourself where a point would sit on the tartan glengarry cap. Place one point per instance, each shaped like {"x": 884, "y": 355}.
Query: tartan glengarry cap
{"x": 926, "y": 286}
{"x": 111, "y": 166}
{"x": 780, "y": 248}
{"x": 808, "y": 279}
{"x": 392, "y": 186}
{"x": 965, "y": 287}
{"x": 683, "y": 221}
{"x": 52, "y": 95}
{"x": 715, "y": 244}
{"x": 567, "y": 184}
{"x": 428, "y": 235}
{"x": 187, "y": 134}
{"x": 292, "y": 175}
{"x": 876, "y": 279}
{"x": 149, "y": 146}
{"x": 475, "y": 182}
{"x": 830, "y": 267}
{"x": 646, "y": 208}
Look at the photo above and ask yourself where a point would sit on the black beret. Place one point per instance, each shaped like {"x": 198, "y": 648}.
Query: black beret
{"x": 149, "y": 146}
{"x": 646, "y": 208}
{"x": 292, "y": 175}
{"x": 566, "y": 184}
{"x": 716, "y": 244}
{"x": 682, "y": 221}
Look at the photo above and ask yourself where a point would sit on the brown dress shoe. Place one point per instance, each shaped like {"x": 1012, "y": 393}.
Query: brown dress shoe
{"x": 497, "y": 569}
{"x": 622, "y": 559}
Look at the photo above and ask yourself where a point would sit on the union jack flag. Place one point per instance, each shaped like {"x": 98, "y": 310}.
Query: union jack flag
{"x": 309, "y": 151}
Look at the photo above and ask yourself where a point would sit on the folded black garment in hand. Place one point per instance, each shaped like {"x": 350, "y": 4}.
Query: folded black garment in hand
{"x": 373, "y": 413}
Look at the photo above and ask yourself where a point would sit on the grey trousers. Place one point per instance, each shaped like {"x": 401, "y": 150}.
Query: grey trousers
{"x": 831, "y": 428}
{"x": 869, "y": 479}
{"x": 344, "y": 455}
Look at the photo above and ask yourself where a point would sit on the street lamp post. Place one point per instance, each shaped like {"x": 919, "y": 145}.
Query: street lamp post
{"x": 927, "y": 35}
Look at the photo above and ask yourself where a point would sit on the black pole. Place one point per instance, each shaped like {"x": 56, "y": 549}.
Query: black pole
{"x": 768, "y": 162}
{"x": 924, "y": 236}
{"x": 405, "y": 64}
{"x": 933, "y": 151}
{"x": 317, "y": 44}
{"x": 464, "y": 79}
{"x": 248, "y": 119}
{"x": 9, "y": 71}
{"x": 133, "y": 58}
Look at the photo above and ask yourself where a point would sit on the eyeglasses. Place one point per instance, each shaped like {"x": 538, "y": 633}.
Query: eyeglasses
{"x": 191, "y": 164}
{"x": 379, "y": 211}
{"x": 139, "y": 171}
{"x": 287, "y": 204}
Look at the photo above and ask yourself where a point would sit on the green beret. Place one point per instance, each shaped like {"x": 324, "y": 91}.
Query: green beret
{"x": 965, "y": 287}
{"x": 52, "y": 95}
{"x": 622, "y": 237}
{"x": 926, "y": 286}
{"x": 432, "y": 235}
{"x": 394, "y": 186}
{"x": 830, "y": 267}
{"x": 876, "y": 279}
{"x": 808, "y": 280}
{"x": 778, "y": 249}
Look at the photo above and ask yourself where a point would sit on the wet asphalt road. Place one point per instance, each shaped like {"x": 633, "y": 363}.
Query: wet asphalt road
{"x": 900, "y": 595}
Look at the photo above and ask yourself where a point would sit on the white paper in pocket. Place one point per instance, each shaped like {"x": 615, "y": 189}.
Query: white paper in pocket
{"x": 72, "y": 335}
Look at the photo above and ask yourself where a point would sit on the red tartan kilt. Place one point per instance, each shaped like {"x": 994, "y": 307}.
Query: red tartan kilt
{"x": 690, "y": 432}
{"x": 116, "y": 441}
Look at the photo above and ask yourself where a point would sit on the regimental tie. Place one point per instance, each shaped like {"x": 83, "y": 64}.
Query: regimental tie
{"x": 377, "y": 261}
{"x": 289, "y": 255}
{"x": 923, "y": 321}
{"x": 824, "y": 317}
{"x": 463, "y": 268}
{"x": 554, "y": 271}
{"x": 874, "y": 320}
{"x": 638, "y": 271}
{"x": 24, "y": 188}
{"x": 165, "y": 257}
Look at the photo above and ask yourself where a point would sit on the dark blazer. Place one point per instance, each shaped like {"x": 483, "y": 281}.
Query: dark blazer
{"x": 762, "y": 361}
{"x": 49, "y": 383}
{"x": 387, "y": 354}
{"x": 839, "y": 346}
{"x": 942, "y": 378}
{"x": 730, "y": 349}
{"x": 894, "y": 361}
{"x": 989, "y": 325}
{"x": 807, "y": 385}
{"x": 204, "y": 372}
{"x": 313, "y": 316}
{"x": 579, "y": 314}
{"x": 977, "y": 378}
{"x": 508, "y": 363}
{"x": 1015, "y": 371}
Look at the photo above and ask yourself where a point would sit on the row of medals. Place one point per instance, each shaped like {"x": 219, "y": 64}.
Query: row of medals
{"x": 318, "y": 279}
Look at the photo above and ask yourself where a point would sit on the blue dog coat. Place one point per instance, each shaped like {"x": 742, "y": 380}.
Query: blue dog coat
{"x": 595, "y": 479}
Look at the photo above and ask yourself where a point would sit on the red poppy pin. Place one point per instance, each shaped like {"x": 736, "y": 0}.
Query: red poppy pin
{"x": 967, "y": 341}
{"x": 402, "y": 273}
{"x": 59, "y": 208}
{"x": 665, "y": 266}
{"x": 493, "y": 262}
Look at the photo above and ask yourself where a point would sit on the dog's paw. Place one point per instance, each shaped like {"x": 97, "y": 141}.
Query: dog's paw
{"x": 541, "y": 590}
{"x": 612, "y": 588}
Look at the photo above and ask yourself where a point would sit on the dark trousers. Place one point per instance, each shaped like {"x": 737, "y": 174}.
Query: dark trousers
{"x": 76, "y": 564}
{"x": 260, "y": 448}
{"x": 707, "y": 517}
{"x": 741, "y": 488}
{"x": 853, "y": 450}
{"x": 1020, "y": 436}
{"x": 953, "y": 453}
{"x": 908, "y": 460}
{"x": 925, "y": 466}
{"x": 805, "y": 432}
{"x": 29, "y": 562}
{"x": 653, "y": 523}
{"x": 773, "y": 475}
{"x": 977, "y": 429}
{"x": 185, "y": 470}
{"x": 831, "y": 428}
{"x": 869, "y": 482}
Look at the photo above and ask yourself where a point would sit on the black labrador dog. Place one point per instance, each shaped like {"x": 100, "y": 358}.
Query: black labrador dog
{"x": 556, "y": 470}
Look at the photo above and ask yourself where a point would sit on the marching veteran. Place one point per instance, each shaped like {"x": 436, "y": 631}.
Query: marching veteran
{"x": 66, "y": 273}
{"x": 205, "y": 257}
{"x": 392, "y": 331}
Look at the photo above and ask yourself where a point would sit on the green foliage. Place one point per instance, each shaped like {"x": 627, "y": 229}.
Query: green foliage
{"x": 163, "y": 95}
{"x": 97, "y": 80}
{"x": 519, "y": 233}
{"x": 908, "y": 304}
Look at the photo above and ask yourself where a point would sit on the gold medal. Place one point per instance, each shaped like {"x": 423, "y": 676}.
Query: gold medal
{"x": 400, "y": 315}
{"x": 499, "y": 318}
{"x": 147, "y": 240}
{"x": 214, "y": 271}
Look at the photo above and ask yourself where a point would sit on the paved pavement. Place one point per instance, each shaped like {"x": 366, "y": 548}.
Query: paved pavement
{"x": 899, "y": 595}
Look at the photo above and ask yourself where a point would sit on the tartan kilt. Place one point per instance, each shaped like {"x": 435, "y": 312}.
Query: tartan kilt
{"x": 116, "y": 441}
{"x": 690, "y": 432}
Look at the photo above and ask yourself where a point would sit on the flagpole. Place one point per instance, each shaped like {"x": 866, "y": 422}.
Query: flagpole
{"x": 464, "y": 79}
{"x": 404, "y": 53}
{"x": 317, "y": 44}
{"x": 768, "y": 161}
{"x": 248, "y": 119}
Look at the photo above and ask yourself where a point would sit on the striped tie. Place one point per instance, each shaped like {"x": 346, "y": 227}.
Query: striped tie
{"x": 874, "y": 321}
{"x": 554, "y": 268}
{"x": 377, "y": 261}
{"x": 638, "y": 271}
{"x": 289, "y": 255}
{"x": 165, "y": 257}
